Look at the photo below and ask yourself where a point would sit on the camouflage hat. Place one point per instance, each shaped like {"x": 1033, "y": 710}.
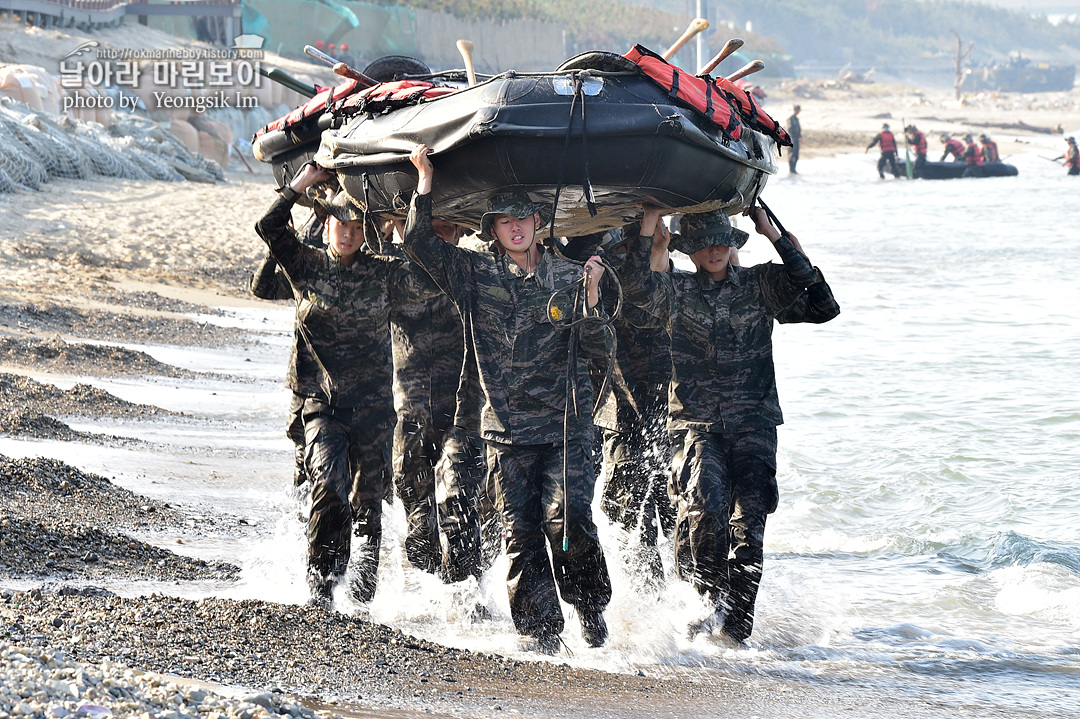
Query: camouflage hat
{"x": 517, "y": 204}
{"x": 342, "y": 207}
{"x": 707, "y": 230}
{"x": 583, "y": 247}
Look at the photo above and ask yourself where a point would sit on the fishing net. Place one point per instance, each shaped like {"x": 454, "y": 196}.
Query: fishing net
{"x": 36, "y": 146}
{"x": 20, "y": 164}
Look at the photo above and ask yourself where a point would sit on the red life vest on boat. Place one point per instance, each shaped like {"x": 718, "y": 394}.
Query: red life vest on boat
{"x": 392, "y": 95}
{"x": 888, "y": 141}
{"x": 954, "y": 147}
{"x": 972, "y": 155}
{"x": 723, "y": 102}
{"x": 350, "y": 96}
{"x": 990, "y": 152}
{"x": 918, "y": 139}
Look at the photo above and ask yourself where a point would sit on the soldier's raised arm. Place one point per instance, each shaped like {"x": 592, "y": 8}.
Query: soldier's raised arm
{"x": 642, "y": 286}
{"x": 783, "y": 285}
{"x": 447, "y": 265}
{"x": 275, "y": 226}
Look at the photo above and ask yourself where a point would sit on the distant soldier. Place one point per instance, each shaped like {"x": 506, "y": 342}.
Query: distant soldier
{"x": 537, "y": 415}
{"x": 887, "y": 140}
{"x": 952, "y": 147}
{"x": 917, "y": 140}
{"x": 1071, "y": 156}
{"x": 972, "y": 158}
{"x": 989, "y": 149}
{"x": 795, "y": 132}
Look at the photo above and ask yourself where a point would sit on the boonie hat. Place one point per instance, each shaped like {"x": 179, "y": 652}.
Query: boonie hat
{"x": 517, "y": 204}
{"x": 706, "y": 230}
{"x": 342, "y": 207}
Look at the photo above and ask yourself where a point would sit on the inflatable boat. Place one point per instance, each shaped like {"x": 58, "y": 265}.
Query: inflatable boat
{"x": 599, "y": 131}
{"x": 951, "y": 170}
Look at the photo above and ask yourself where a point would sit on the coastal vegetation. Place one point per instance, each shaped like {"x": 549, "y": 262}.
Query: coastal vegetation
{"x": 862, "y": 32}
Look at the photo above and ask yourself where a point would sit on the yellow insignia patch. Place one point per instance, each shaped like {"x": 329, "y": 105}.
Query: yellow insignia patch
{"x": 556, "y": 313}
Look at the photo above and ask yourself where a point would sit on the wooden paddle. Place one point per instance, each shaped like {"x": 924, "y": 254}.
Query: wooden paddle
{"x": 466, "y": 49}
{"x": 339, "y": 67}
{"x": 748, "y": 69}
{"x": 696, "y": 25}
{"x": 729, "y": 47}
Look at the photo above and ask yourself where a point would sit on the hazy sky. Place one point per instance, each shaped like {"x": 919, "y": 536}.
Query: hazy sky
{"x": 1039, "y": 6}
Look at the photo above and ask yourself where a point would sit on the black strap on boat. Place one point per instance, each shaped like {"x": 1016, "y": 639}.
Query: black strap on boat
{"x": 775, "y": 220}
{"x": 586, "y": 186}
{"x": 580, "y": 302}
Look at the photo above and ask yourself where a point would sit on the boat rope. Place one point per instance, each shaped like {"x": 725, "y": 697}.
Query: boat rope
{"x": 586, "y": 186}
{"x": 572, "y": 321}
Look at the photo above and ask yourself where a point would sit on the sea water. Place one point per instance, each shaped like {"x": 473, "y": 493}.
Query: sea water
{"x": 926, "y": 541}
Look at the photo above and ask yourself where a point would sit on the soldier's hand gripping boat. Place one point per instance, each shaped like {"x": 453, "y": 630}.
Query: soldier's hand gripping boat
{"x": 605, "y": 132}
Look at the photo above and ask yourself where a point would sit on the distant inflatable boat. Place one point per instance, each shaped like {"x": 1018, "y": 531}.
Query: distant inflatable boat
{"x": 599, "y": 131}
{"x": 951, "y": 170}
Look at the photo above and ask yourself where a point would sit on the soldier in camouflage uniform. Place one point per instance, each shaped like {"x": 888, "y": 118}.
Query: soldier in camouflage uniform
{"x": 268, "y": 282}
{"x": 723, "y": 402}
{"x": 343, "y": 371}
{"x": 428, "y": 346}
{"x": 633, "y": 418}
{"x": 537, "y": 444}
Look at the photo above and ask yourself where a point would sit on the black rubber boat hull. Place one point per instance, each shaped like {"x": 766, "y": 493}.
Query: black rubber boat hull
{"x": 510, "y": 133}
{"x": 953, "y": 170}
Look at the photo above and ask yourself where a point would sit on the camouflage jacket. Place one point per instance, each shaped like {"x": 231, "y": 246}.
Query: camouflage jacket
{"x": 521, "y": 355}
{"x": 267, "y": 282}
{"x": 815, "y": 305}
{"x": 342, "y": 315}
{"x": 639, "y": 380}
{"x": 721, "y": 336}
{"x": 429, "y": 348}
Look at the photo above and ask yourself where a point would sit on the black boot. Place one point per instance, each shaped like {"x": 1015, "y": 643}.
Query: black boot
{"x": 593, "y": 628}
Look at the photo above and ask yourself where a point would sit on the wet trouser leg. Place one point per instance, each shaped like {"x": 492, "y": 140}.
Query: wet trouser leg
{"x": 635, "y": 489}
{"x": 529, "y": 491}
{"x": 346, "y": 457}
{"x": 295, "y": 432}
{"x": 467, "y": 514}
{"x": 725, "y": 487}
{"x": 416, "y": 450}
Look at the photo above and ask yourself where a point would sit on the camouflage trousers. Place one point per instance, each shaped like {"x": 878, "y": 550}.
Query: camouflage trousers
{"x": 295, "y": 432}
{"x": 470, "y": 532}
{"x": 347, "y": 455}
{"x": 418, "y": 444}
{"x": 530, "y": 496}
{"x": 724, "y": 487}
{"x": 636, "y": 469}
